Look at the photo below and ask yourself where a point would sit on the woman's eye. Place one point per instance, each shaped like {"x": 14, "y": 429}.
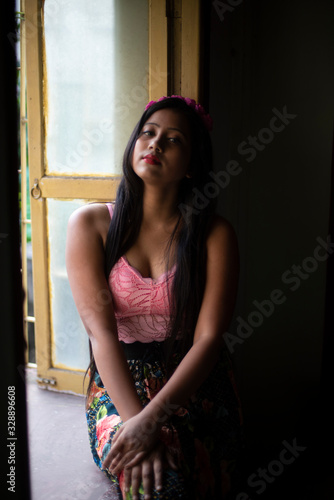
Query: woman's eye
{"x": 147, "y": 132}
{"x": 174, "y": 140}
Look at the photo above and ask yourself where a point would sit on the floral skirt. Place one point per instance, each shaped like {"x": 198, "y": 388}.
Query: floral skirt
{"x": 207, "y": 431}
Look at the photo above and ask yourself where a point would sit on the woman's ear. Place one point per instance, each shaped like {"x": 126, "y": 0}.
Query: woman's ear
{"x": 188, "y": 175}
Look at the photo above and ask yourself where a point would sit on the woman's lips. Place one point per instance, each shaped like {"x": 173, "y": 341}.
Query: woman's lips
{"x": 152, "y": 160}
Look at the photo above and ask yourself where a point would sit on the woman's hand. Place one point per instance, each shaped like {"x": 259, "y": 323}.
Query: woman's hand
{"x": 131, "y": 443}
{"x": 149, "y": 472}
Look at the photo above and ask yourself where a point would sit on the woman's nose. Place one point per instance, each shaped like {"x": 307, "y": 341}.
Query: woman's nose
{"x": 156, "y": 144}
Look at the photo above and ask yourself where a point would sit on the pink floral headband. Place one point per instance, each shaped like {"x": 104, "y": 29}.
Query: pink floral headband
{"x": 206, "y": 118}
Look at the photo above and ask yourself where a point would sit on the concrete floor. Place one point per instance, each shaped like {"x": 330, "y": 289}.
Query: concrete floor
{"x": 61, "y": 464}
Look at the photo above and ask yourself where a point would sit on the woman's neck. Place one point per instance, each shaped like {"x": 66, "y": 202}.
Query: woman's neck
{"x": 159, "y": 208}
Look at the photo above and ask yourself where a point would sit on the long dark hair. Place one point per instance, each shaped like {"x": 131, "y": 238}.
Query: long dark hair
{"x": 195, "y": 214}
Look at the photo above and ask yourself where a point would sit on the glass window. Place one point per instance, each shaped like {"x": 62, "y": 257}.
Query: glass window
{"x": 69, "y": 338}
{"x": 96, "y": 84}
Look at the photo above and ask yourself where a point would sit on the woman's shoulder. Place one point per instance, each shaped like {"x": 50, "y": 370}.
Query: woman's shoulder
{"x": 94, "y": 217}
{"x": 221, "y": 234}
{"x": 219, "y": 225}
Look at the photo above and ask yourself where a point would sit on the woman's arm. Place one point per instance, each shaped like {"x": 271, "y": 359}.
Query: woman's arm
{"x": 214, "y": 317}
{"x": 87, "y": 229}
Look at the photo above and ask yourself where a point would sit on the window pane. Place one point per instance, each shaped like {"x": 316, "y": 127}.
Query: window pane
{"x": 69, "y": 338}
{"x": 97, "y": 70}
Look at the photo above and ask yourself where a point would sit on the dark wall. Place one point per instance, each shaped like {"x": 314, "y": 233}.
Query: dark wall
{"x": 272, "y": 101}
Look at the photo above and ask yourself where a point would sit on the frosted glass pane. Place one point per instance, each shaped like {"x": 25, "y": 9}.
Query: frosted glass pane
{"x": 70, "y": 340}
{"x": 97, "y": 69}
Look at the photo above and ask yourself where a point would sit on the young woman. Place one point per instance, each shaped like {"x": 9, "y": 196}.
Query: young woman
{"x": 154, "y": 277}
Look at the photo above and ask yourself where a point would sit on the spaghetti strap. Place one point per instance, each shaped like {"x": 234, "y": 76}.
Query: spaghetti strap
{"x": 110, "y": 207}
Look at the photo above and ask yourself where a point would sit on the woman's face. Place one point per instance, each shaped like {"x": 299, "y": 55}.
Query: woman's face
{"x": 162, "y": 151}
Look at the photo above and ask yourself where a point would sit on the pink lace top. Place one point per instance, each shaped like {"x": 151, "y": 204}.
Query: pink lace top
{"x": 140, "y": 304}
